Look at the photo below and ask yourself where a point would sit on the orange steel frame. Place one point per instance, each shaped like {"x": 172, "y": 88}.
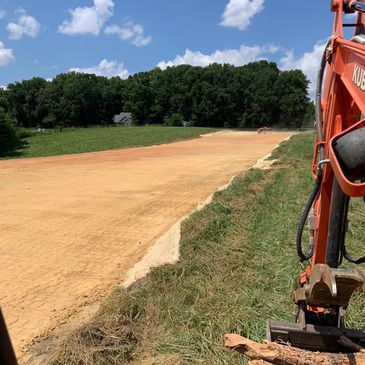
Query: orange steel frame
{"x": 343, "y": 107}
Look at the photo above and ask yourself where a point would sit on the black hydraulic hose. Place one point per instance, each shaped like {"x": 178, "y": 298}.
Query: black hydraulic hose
{"x": 349, "y": 258}
{"x": 308, "y": 255}
{"x": 319, "y": 126}
{"x": 319, "y": 115}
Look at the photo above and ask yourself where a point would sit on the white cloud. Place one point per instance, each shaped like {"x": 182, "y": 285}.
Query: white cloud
{"x": 309, "y": 63}
{"x": 2, "y": 14}
{"x": 26, "y": 25}
{"x": 6, "y": 55}
{"x": 88, "y": 20}
{"x": 236, "y": 57}
{"x": 238, "y": 13}
{"x": 131, "y": 32}
{"x": 105, "y": 68}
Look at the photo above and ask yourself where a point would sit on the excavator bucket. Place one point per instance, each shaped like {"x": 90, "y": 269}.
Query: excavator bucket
{"x": 316, "y": 337}
{"x": 323, "y": 330}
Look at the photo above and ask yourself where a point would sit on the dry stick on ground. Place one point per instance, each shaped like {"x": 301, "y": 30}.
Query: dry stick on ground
{"x": 274, "y": 353}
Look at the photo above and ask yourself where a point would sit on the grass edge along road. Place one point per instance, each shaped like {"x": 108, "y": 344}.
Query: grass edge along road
{"x": 238, "y": 268}
{"x": 72, "y": 141}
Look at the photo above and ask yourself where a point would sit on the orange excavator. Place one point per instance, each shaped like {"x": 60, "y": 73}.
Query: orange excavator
{"x": 338, "y": 169}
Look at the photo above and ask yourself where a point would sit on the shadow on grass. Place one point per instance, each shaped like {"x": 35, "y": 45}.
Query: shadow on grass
{"x": 17, "y": 151}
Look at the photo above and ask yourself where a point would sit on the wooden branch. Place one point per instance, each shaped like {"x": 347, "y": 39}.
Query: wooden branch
{"x": 274, "y": 353}
{"x": 344, "y": 341}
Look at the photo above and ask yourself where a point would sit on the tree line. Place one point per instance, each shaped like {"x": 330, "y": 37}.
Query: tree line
{"x": 257, "y": 94}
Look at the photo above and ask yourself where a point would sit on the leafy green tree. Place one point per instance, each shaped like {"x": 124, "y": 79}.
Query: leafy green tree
{"x": 9, "y": 140}
{"x": 111, "y": 102}
{"x": 174, "y": 120}
{"x": 23, "y": 100}
{"x": 4, "y": 99}
{"x": 213, "y": 102}
{"x": 309, "y": 116}
{"x": 139, "y": 97}
{"x": 48, "y": 108}
{"x": 172, "y": 89}
{"x": 260, "y": 98}
{"x": 291, "y": 88}
{"x": 251, "y": 96}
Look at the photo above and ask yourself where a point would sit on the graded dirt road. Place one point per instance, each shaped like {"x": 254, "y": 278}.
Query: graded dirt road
{"x": 71, "y": 226}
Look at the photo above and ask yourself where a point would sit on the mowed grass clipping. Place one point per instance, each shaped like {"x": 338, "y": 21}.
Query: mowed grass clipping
{"x": 81, "y": 140}
{"x": 238, "y": 268}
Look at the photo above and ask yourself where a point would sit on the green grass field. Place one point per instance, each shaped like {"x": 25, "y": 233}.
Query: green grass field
{"x": 238, "y": 268}
{"x": 98, "y": 139}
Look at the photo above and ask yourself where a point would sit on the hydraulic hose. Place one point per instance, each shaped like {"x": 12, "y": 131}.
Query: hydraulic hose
{"x": 308, "y": 255}
{"x": 349, "y": 258}
{"x": 319, "y": 115}
{"x": 319, "y": 126}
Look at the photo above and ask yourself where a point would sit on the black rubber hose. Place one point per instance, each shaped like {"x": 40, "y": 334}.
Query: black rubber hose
{"x": 308, "y": 255}
{"x": 318, "y": 107}
{"x": 349, "y": 258}
{"x": 319, "y": 124}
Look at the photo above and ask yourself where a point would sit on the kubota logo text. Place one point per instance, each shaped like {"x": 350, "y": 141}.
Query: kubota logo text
{"x": 358, "y": 77}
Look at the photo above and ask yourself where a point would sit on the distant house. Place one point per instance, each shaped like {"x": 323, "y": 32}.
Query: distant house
{"x": 186, "y": 124}
{"x": 123, "y": 119}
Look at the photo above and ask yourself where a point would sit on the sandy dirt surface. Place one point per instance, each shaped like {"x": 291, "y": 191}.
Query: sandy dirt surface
{"x": 72, "y": 226}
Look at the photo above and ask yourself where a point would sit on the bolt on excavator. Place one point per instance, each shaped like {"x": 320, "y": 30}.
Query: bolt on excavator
{"x": 324, "y": 289}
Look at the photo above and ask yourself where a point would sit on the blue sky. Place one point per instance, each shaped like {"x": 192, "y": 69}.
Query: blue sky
{"x": 121, "y": 37}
